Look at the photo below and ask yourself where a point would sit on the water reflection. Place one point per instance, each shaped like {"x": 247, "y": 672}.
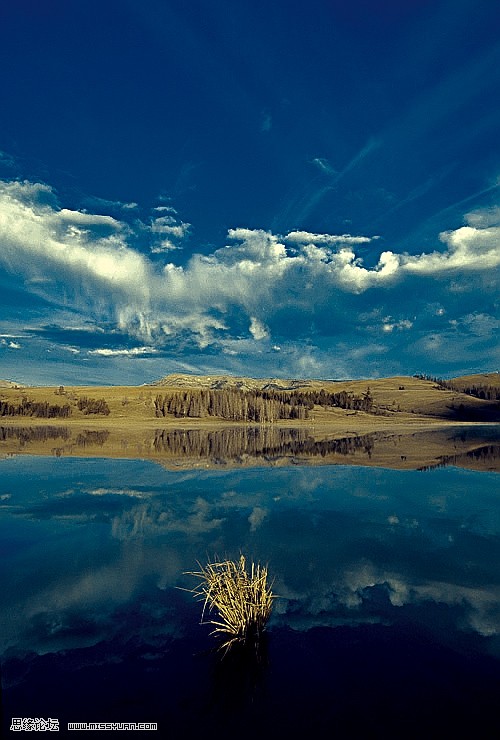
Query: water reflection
{"x": 485, "y": 456}
{"x": 28, "y": 435}
{"x": 389, "y": 586}
{"x": 333, "y": 535}
{"x": 475, "y": 447}
{"x": 268, "y": 443}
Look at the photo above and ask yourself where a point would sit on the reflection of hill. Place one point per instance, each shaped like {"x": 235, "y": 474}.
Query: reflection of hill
{"x": 482, "y": 457}
{"x": 475, "y": 447}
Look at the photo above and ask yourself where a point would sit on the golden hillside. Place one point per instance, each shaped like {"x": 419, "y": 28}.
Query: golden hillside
{"x": 394, "y": 400}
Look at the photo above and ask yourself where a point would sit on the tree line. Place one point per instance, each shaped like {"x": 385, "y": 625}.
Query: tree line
{"x": 255, "y": 406}
{"x": 230, "y": 404}
{"x": 46, "y": 410}
{"x": 340, "y": 399}
{"x": 482, "y": 390}
{"x": 39, "y": 409}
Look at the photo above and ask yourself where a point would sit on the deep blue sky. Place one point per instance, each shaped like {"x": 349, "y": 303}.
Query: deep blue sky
{"x": 265, "y": 188}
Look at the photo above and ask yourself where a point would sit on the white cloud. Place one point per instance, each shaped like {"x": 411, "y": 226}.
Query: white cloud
{"x": 81, "y": 218}
{"x": 468, "y": 249}
{"x": 168, "y": 232}
{"x": 165, "y": 209}
{"x": 130, "y": 492}
{"x": 169, "y": 225}
{"x": 484, "y": 217}
{"x": 164, "y": 246}
{"x": 389, "y": 324}
{"x": 257, "y": 329}
{"x": 10, "y": 345}
{"x": 86, "y": 263}
{"x": 49, "y": 240}
{"x": 134, "y": 352}
{"x": 305, "y": 237}
{"x": 257, "y": 246}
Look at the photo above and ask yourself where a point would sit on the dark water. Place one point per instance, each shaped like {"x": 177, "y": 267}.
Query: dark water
{"x": 387, "y": 623}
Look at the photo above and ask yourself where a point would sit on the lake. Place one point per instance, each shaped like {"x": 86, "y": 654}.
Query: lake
{"x": 387, "y": 621}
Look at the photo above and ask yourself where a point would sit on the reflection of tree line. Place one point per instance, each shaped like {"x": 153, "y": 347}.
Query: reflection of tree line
{"x": 92, "y": 438}
{"x": 233, "y": 443}
{"x": 26, "y": 435}
{"x": 262, "y": 442}
{"x": 255, "y": 406}
{"x": 485, "y": 454}
{"x": 34, "y": 434}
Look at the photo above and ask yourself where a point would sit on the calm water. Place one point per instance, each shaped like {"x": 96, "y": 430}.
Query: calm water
{"x": 387, "y": 625}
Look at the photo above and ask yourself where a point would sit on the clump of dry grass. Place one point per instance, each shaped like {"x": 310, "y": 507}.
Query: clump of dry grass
{"x": 242, "y": 600}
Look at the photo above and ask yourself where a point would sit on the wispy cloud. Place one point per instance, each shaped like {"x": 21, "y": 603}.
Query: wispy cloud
{"x": 324, "y": 165}
{"x": 168, "y": 231}
{"x": 266, "y": 122}
{"x": 302, "y": 204}
{"x": 133, "y": 352}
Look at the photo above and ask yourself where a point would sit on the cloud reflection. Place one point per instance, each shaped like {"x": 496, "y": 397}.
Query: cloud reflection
{"x": 346, "y": 546}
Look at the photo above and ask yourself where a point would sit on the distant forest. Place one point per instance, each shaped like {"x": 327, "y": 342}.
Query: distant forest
{"x": 482, "y": 391}
{"x": 255, "y": 406}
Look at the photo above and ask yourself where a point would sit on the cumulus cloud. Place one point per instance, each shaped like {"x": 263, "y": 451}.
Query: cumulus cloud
{"x": 468, "y": 248}
{"x": 260, "y": 285}
{"x": 53, "y": 245}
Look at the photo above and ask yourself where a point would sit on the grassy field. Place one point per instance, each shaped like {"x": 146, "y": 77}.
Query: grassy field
{"x": 397, "y": 400}
{"x": 413, "y": 425}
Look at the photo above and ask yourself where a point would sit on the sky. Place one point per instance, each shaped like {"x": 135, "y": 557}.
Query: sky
{"x": 272, "y": 189}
